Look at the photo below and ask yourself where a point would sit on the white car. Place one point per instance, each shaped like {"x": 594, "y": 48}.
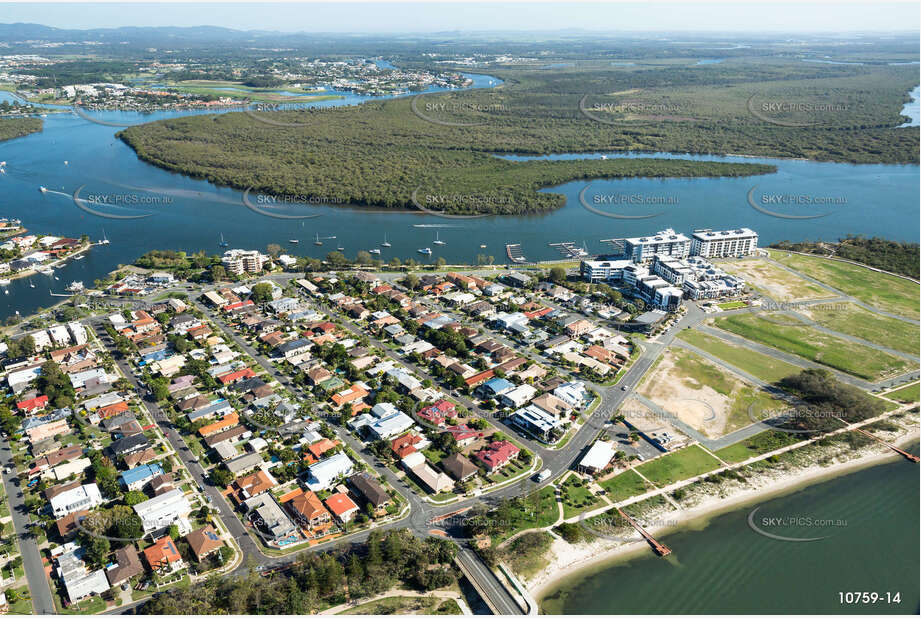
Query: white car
{"x": 543, "y": 475}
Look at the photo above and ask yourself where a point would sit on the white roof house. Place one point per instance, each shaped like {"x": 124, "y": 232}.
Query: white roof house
{"x": 79, "y": 379}
{"x": 599, "y": 456}
{"x": 84, "y": 497}
{"x": 77, "y": 579}
{"x": 573, "y": 393}
{"x": 323, "y": 474}
{"x": 518, "y": 396}
{"x": 59, "y": 335}
{"x": 162, "y": 511}
{"x": 78, "y": 332}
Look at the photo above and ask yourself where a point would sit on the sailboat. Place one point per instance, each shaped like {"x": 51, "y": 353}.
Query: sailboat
{"x": 223, "y": 242}
{"x": 386, "y": 243}
{"x": 31, "y": 285}
{"x": 318, "y": 242}
{"x": 104, "y": 240}
{"x": 437, "y": 240}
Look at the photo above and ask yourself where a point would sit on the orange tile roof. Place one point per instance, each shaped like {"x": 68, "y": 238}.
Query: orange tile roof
{"x": 162, "y": 553}
{"x": 317, "y": 449}
{"x": 231, "y": 420}
{"x": 340, "y": 504}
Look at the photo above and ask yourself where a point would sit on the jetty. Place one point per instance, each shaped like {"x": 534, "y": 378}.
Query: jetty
{"x": 903, "y": 453}
{"x": 657, "y": 547}
{"x": 569, "y": 249}
{"x": 514, "y": 253}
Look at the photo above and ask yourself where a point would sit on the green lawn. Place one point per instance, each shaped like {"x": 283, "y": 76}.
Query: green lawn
{"x": 754, "y": 363}
{"x": 733, "y": 304}
{"x": 887, "y": 292}
{"x": 577, "y": 498}
{"x": 907, "y": 394}
{"x": 678, "y": 466}
{"x": 625, "y": 485}
{"x": 854, "y": 320}
{"x": 761, "y": 443}
{"x": 854, "y": 358}
{"x": 541, "y": 511}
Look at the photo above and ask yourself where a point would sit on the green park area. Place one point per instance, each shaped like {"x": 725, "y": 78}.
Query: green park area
{"x": 783, "y": 333}
{"x": 677, "y": 466}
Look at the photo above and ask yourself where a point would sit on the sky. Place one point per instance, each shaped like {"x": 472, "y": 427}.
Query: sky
{"x": 388, "y": 17}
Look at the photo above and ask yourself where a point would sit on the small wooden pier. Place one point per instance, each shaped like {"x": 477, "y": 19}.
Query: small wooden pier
{"x": 904, "y": 454}
{"x": 657, "y": 547}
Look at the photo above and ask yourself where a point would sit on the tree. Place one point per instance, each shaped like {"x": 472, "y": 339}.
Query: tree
{"x": 129, "y": 527}
{"x": 221, "y": 477}
{"x": 441, "y": 262}
{"x": 558, "y": 274}
{"x": 135, "y": 497}
{"x": 363, "y": 258}
{"x": 336, "y": 259}
{"x": 218, "y": 273}
{"x": 273, "y": 249}
{"x": 262, "y": 292}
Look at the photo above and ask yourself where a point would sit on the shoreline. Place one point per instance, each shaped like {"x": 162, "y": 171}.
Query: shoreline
{"x": 572, "y": 560}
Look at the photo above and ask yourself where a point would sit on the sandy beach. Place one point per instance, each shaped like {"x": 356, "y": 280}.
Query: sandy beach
{"x": 566, "y": 559}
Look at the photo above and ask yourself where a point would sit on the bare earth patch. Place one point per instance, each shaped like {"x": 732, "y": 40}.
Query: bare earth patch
{"x": 703, "y": 394}
{"x": 774, "y": 281}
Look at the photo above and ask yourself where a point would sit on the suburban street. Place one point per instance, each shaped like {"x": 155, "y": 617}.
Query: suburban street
{"x": 42, "y": 600}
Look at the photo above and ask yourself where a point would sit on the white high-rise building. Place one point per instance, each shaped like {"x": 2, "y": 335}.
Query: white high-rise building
{"x": 239, "y": 261}
{"x": 726, "y": 243}
{"x": 642, "y": 249}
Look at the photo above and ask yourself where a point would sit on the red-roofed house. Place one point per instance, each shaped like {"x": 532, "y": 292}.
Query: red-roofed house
{"x": 476, "y": 380}
{"x": 464, "y": 435}
{"x": 112, "y": 409}
{"x": 341, "y": 506}
{"x": 236, "y": 376}
{"x": 317, "y": 449}
{"x": 437, "y": 412}
{"x": 32, "y": 405}
{"x": 163, "y": 555}
{"x": 405, "y": 444}
{"x": 497, "y": 454}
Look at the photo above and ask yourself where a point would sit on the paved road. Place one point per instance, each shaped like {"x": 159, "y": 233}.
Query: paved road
{"x": 42, "y": 601}
{"x": 487, "y": 584}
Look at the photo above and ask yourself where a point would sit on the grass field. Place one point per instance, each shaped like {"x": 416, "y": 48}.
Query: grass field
{"x": 678, "y": 466}
{"x": 908, "y": 394}
{"x": 625, "y": 485}
{"x": 775, "y": 282}
{"x": 544, "y": 513}
{"x": 804, "y": 341}
{"x": 733, "y": 304}
{"x": 758, "y": 365}
{"x": 894, "y": 294}
{"x": 577, "y": 498}
{"x": 852, "y": 319}
{"x": 761, "y": 443}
